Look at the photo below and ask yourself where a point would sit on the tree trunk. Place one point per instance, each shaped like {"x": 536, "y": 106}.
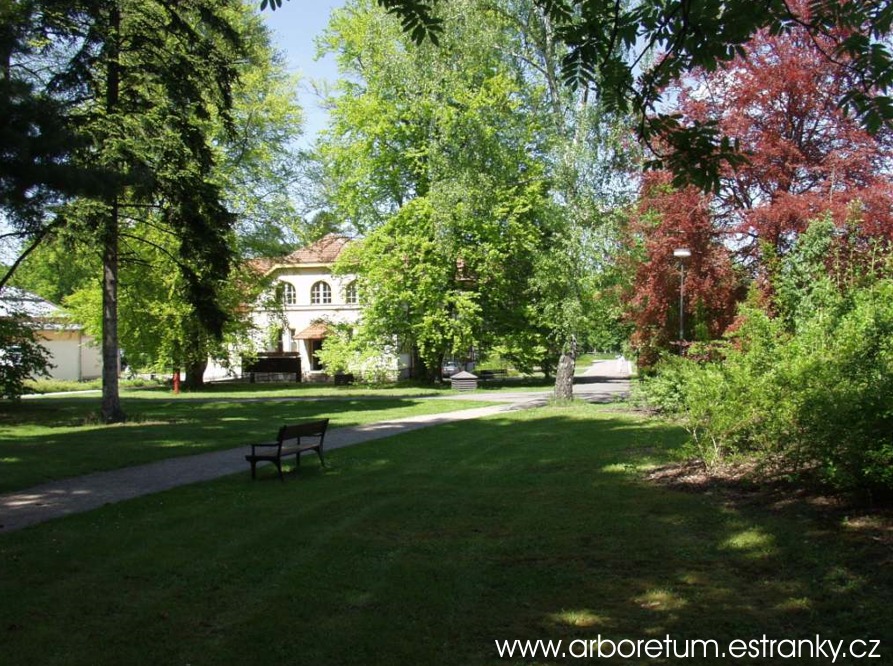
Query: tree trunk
{"x": 195, "y": 374}
{"x": 419, "y": 369}
{"x": 564, "y": 376}
{"x": 110, "y": 410}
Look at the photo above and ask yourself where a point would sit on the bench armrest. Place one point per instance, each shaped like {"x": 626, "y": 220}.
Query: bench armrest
{"x": 263, "y": 444}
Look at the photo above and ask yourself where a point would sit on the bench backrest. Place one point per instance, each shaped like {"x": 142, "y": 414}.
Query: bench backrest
{"x": 305, "y": 429}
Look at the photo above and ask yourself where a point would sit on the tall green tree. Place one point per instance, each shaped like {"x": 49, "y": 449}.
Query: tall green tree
{"x": 609, "y": 42}
{"x": 431, "y": 158}
{"x": 254, "y": 163}
{"x": 142, "y": 82}
{"x": 37, "y": 140}
{"x": 588, "y": 158}
{"x": 443, "y": 145}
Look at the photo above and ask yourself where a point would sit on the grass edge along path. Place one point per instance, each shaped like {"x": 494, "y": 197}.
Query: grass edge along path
{"x": 54, "y": 438}
{"x": 69, "y": 496}
{"x": 428, "y": 547}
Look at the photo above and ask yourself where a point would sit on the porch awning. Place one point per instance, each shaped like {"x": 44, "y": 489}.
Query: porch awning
{"x": 316, "y": 331}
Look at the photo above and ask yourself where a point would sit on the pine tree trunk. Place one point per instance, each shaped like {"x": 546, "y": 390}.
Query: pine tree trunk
{"x": 564, "y": 376}
{"x": 111, "y": 400}
{"x": 110, "y": 410}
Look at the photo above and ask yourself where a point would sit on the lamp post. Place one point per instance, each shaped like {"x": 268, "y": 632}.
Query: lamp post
{"x": 682, "y": 253}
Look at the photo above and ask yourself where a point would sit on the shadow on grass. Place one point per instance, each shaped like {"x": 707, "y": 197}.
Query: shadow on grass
{"x": 428, "y": 547}
{"x": 56, "y": 438}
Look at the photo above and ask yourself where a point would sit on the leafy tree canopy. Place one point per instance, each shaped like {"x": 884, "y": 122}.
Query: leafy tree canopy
{"x": 631, "y": 52}
{"x": 807, "y": 160}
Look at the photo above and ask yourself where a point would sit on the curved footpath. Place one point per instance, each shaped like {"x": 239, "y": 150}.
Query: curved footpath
{"x": 604, "y": 381}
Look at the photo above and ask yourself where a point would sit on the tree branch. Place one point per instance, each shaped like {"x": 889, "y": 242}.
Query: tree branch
{"x": 57, "y": 223}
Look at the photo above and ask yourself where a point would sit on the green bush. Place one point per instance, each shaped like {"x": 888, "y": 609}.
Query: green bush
{"x": 21, "y": 356}
{"x": 846, "y": 374}
{"x": 369, "y": 362}
{"x": 807, "y": 393}
{"x": 817, "y": 403}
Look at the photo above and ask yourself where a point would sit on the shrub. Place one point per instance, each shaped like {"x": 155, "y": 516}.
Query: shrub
{"x": 817, "y": 402}
{"x": 371, "y": 363}
{"x": 21, "y": 356}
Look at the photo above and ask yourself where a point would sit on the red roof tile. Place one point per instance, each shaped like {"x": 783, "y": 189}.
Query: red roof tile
{"x": 323, "y": 251}
{"x": 316, "y": 331}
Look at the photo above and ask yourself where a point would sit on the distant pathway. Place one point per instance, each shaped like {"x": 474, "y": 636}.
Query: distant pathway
{"x": 603, "y": 382}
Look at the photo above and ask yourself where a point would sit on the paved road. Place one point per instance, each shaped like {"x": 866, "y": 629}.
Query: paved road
{"x": 602, "y": 382}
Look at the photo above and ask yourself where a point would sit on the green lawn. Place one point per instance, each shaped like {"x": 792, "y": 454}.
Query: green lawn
{"x": 425, "y": 548}
{"x": 49, "y": 438}
{"x": 238, "y": 389}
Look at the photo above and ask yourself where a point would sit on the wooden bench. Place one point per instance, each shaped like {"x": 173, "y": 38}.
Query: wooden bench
{"x": 289, "y": 442}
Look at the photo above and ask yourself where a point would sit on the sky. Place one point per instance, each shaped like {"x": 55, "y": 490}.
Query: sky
{"x": 294, "y": 26}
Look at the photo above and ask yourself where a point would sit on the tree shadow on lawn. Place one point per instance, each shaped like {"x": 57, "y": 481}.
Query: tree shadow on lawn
{"x": 428, "y": 547}
{"x": 552, "y": 533}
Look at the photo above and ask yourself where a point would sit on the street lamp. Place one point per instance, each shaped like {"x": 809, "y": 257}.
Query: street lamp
{"x": 682, "y": 253}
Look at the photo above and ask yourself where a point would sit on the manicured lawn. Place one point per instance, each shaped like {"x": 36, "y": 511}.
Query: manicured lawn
{"x": 52, "y": 438}
{"x": 425, "y": 548}
{"x": 242, "y": 390}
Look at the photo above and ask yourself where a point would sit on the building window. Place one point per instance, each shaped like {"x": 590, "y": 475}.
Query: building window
{"x": 320, "y": 294}
{"x": 350, "y": 294}
{"x": 288, "y": 294}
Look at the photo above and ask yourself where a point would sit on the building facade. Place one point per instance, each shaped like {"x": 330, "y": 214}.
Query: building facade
{"x": 73, "y": 355}
{"x": 306, "y": 300}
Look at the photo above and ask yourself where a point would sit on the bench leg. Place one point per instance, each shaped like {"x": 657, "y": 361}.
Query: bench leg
{"x": 279, "y": 467}
{"x": 322, "y": 460}
{"x": 253, "y": 470}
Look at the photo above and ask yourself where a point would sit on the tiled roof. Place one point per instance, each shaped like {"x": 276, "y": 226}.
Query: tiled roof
{"x": 261, "y": 264}
{"x": 18, "y": 302}
{"x": 323, "y": 251}
{"x": 316, "y": 331}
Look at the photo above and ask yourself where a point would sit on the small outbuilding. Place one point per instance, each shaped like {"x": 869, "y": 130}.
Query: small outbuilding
{"x": 464, "y": 381}
{"x": 73, "y": 355}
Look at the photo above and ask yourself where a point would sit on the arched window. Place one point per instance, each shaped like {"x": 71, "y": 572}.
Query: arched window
{"x": 350, "y": 294}
{"x": 288, "y": 294}
{"x": 320, "y": 293}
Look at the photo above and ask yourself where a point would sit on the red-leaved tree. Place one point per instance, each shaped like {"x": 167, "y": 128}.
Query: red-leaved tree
{"x": 669, "y": 219}
{"x": 806, "y": 157}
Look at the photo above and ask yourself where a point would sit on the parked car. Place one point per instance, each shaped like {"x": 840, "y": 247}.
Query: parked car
{"x": 449, "y": 369}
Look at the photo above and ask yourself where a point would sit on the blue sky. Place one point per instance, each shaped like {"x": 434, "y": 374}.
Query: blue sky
{"x": 294, "y": 27}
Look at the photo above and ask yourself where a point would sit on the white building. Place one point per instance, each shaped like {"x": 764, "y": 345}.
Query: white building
{"x": 311, "y": 299}
{"x": 291, "y": 322}
{"x": 73, "y": 355}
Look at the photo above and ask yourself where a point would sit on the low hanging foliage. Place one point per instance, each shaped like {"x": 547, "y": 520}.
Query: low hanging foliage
{"x": 21, "y": 356}
{"x": 806, "y": 156}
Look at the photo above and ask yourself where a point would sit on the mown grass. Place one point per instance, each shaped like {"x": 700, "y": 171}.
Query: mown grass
{"x": 53, "y": 438}
{"x": 426, "y": 548}
{"x": 240, "y": 389}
